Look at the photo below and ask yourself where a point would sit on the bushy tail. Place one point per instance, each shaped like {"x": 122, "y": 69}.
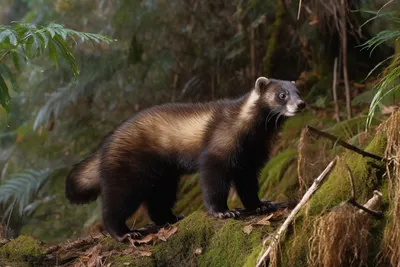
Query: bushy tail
{"x": 83, "y": 181}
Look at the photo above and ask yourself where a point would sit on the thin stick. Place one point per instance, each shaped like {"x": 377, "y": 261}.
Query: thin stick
{"x": 373, "y": 202}
{"x": 337, "y": 117}
{"x": 353, "y": 201}
{"x": 353, "y": 189}
{"x": 289, "y": 219}
{"x": 298, "y": 11}
{"x": 344, "y": 143}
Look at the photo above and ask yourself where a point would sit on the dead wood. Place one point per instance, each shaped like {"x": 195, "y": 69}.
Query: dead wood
{"x": 307, "y": 196}
{"x": 343, "y": 143}
{"x": 353, "y": 201}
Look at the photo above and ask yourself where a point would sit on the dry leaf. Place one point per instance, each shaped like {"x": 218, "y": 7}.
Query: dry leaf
{"x": 388, "y": 110}
{"x": 145, "y": 253}
{"x": 265, "y": 220}
{"x": 247, "y": 229}
{"x": 146, "y": 239}
{"x": 164, "y": 233}
{"x": 313, "y": 21}
{"x": 94, "y": 254}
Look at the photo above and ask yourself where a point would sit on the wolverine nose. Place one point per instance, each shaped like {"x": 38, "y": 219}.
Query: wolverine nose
{"x": 301, "y": 105}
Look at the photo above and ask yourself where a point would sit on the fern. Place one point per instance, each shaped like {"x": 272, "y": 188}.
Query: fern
{"x": 389, "y": 83}
{"x": 22, "y": 189}
{"x": 28, "y": 41}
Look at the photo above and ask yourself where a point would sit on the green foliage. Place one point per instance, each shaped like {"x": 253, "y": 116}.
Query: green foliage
{"x": 22, "y": 189}
{"x": 389, "y": 82}
{"x": 23, "y": 41}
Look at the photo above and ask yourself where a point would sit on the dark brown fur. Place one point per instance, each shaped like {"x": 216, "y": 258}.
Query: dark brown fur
{"x": 226, "y": 141}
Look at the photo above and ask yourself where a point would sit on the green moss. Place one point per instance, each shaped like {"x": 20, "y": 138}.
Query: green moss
{"x": 23, "y": 251}
{"x": 275, "y": 169}
{"x": 194, "y": 232}
{"x": 334, "y": 191}
{"x": 230, "y": 246}
{"x": 190, "y": 201}
{"x": 217, "y": 242}
{"x": 336, "y": 188}
{"x": 128, "y": 260}
{"x": 109, "y": 243}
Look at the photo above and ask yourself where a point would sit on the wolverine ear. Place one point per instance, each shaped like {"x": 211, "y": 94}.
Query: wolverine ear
{"x": 261, "y": 84}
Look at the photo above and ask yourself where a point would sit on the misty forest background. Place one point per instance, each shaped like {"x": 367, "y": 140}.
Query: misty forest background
{"x": 57, "y": 103}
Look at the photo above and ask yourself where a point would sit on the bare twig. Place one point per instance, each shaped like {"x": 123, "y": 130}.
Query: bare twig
{"x": 353, "y": 201}
{"x": 353, "y": 189}
{"x": 344, "y": 143}
{"x": 298, "y": 12}
{"x": 307, "y": 196}
{"x": 335, "y": 99}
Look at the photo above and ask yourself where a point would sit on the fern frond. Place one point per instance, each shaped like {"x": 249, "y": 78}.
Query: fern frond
{"x": 31, "y": 41}
{"x": 97, "y": 71}
{"x": 389, "y": 82}
{"x": 22, "y": 188}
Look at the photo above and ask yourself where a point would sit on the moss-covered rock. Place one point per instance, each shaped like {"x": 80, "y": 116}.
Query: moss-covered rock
{"x": 205, "y": 241}
{"x": 336, "y": 189}
{"x": 23, "y": 251}
{"x": 127, "y": 260}
{"x": 194, "y": 233}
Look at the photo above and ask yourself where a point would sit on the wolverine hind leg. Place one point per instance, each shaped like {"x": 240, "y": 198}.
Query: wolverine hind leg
{"x": 120, "y": 199}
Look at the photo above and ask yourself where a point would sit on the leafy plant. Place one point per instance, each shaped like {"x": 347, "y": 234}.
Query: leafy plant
{"x": 28, "y": 41}
{"x": 388, "y": 84}
{"x": 22, "y": 189}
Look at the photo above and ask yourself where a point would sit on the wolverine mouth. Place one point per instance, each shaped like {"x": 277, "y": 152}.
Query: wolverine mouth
{"x": 289, "y": 114}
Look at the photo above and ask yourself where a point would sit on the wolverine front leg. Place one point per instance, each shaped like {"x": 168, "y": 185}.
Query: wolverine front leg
{"x": 215, "y": 185}
{"x": 246, "y": 185}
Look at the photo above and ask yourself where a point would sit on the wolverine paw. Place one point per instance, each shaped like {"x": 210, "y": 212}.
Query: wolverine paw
{"x": 129, "y": 236}
{"x": 225, "y": 215}
{"x": 266, "y": 206}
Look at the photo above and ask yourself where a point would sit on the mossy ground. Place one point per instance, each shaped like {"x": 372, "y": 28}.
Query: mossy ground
{"x": 23, "y": 251}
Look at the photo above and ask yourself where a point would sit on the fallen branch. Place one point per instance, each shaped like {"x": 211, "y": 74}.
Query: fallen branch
{"x": 373, "y": 200}
{"x": 344, "y": 143}
{"x": 289, "y": 219}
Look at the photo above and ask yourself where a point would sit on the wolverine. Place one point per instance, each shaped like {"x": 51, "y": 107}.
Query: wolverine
{"x": 226, "y": 141}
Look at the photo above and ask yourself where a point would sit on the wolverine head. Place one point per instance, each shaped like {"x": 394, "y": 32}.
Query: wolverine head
{"x": 280, "y": 96}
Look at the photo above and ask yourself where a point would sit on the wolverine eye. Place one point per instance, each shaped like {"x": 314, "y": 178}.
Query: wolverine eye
{"x": 282, "y": 96}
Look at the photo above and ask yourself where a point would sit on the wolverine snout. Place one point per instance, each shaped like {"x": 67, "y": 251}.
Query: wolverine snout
{"x": 301, "y": 105}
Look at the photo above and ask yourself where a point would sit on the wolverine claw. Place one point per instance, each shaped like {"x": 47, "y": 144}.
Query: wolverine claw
{"x": 131, "y": 235}
{"x": 266, "y": 207}
{"x": 225, "y": 215}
